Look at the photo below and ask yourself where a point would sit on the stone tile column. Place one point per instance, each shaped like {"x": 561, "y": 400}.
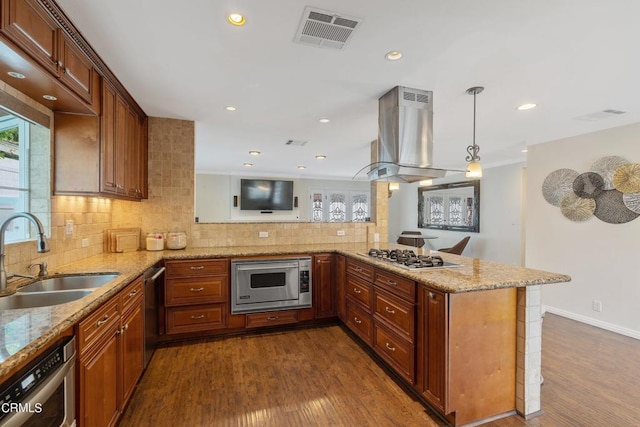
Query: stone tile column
{"x": 529, "y": 351}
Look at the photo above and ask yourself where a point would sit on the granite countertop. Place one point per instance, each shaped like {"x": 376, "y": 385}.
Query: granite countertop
{"x": 25, "y": 331}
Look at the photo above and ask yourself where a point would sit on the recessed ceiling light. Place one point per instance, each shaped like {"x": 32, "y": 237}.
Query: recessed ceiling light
{"x": 321, "y": 157}
{"x": 16, "y": 75}
{"x": 230, "y": 108}
{"x": 302, "y": 167}
{"x": 50, "y": 97}
{"x": 525, "y": 150}
{"x": 236, "y": 19}
{"x": 394, "y": 55}
{"x": 526, "y": 106}
{"x": 254, "y": 153}
{"x": 324, "y": 120}
{"x": 247, "y": 165}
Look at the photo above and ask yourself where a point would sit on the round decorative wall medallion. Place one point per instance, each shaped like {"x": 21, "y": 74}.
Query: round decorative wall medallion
{"x": 577, "y": 208}
{"x": 606, "y": 167}
{"x": 632, "y": 201}
{"x": 626, "y": 178}
{"x": 611, "y": 208}
{"x": 558, "y": 184}
{"x": 588, "y": 185}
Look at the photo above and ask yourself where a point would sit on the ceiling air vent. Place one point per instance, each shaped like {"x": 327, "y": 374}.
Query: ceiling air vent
{"x": 325, "y": 29}
{"x": 599, "y": 115}
{"x": 297, "y": 142}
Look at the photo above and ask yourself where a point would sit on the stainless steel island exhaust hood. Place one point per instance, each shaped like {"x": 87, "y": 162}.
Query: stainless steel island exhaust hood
{"x": 405, "y": 137}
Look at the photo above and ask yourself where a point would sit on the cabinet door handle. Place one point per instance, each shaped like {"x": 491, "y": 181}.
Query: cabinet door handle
{"x": 133, "y": 293}
{"x": 119, "y": 186}
{"x": 389, "y": 347}
{"x": 432, "y": 295}
{"x": 200, "y": 267}
{"x": 200, "y": 316}
{"x": 196, "y": 289}
{"x": 392, "y": 282}
{"x": 358, "y": 269}
{"x": 357, "y": 291}
{"x": 358, "y": 321}
{"x": 103, "y": 321}
{"x": 390, "y": 311}
{"x": 272, "y": 318}
{"x": 124, "y": 328}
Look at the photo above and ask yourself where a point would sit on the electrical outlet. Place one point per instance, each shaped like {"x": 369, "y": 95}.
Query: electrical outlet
{"x": 85, "y": 242}
{"x": 263, "y": 234}
{"x": 376, "y": 237}
{"x": 341, "y": 233}
{"x": 68, "y": 227}
{"x": 597, "y": 306}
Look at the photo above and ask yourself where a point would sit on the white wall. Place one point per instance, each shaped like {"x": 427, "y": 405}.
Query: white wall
{"x": 214, "y": 198}
{"x": 500, "y": 237}
{"x": 602, "y": 259}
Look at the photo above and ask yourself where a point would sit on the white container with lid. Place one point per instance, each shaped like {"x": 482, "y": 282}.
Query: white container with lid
{"x": 176, "y": 240}
{"x": 155, "y": 242}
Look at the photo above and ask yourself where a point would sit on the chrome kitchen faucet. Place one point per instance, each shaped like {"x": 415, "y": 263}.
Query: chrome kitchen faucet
{"x": 43, "y": 246}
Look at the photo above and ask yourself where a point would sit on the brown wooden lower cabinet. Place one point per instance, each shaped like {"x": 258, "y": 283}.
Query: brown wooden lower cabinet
{"x": 196, "y": 318}
{"x": 111, "y": 347}
{"x": 341, "y": 302}
{"x": 271, "y": 318}
{"x": 98, "y": 383}
{"x": 395, "y": 350}
{"x": 359, "y": 321}
{"x": 467, "y": 353}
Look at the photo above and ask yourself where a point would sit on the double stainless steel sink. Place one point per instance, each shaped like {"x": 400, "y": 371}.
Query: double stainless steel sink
{"x": 55, "y": 290}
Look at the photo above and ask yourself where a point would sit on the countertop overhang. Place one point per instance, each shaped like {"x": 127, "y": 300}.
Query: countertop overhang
{"x": 39, "y": 327}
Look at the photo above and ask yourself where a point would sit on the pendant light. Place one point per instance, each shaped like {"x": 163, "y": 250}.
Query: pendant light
{"x": 474, "y": 170}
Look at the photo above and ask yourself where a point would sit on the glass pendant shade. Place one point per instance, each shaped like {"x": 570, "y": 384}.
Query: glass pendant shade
{"x": 474, "y": 170}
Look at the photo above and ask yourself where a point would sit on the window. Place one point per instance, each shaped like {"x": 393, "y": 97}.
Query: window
{"x": 339, "y": 206}
{"x": 20, "y": 168}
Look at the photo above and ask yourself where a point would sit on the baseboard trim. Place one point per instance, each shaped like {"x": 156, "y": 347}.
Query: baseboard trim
{"x": 593, "y": 322}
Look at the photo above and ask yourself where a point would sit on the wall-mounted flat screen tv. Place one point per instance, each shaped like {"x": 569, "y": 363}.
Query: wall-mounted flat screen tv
{"x": 266, "y": 195}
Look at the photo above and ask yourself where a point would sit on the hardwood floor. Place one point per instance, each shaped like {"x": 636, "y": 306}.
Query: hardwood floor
{"x": 321, "y": 377}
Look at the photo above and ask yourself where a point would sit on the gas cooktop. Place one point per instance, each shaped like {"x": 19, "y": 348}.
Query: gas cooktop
{"x": 407, "y": 259}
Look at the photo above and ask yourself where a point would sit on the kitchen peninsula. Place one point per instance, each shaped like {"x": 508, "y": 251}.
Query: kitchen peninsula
{"x": 449, "y": 312}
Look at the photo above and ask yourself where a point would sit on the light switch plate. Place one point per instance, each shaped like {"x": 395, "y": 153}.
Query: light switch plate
{"x": 263, "y": 234}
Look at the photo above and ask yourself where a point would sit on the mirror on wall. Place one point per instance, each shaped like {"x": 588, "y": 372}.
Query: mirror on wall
{"x": 219, "y": 198}
{"x": 454, "y": 206}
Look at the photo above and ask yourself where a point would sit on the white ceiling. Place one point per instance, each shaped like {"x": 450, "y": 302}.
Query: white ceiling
{"x": 183, "y": 60}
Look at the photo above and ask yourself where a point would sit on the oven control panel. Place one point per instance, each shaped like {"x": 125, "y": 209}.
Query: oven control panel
{"x": 304, "y": 281}
{"x": 31, "y": 378}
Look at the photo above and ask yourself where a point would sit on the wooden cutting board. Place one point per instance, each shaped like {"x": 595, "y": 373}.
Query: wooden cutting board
{"x": 122, "y": 239}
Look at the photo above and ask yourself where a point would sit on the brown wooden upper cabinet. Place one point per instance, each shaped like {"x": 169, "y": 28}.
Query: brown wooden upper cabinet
{"x": 123, "y": 147}
{"x": 28, "y": 26}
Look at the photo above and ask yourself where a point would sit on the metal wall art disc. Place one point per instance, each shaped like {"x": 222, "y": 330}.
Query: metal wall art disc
{"x": 588, "y": 185}
{"x": 627, "y": 178}
{"x": 606, "y": 167}
{"x": 611, "y": 208}
{"x": 577, "y": 208}
{"x": 558, "y": 184}
{"x": 632, "y": 201}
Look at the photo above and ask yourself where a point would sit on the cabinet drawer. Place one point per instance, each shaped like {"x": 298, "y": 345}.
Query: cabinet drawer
{"x": 360, "y": 291}
{"x": 131, "y": 294}
{"x": 399, "y": 353}
{"x": 103, "y": 321}
{"x": 360, "y": 269}
{"x": 202, "y": 267}
{"x": 359, "y": 322}
{"x": 400, "y": 286}
{"x": 200, "y": 290}
{"x": 196, "y": 318}
{"x": 257, "y": 320}
{"x": 396, "y": 313}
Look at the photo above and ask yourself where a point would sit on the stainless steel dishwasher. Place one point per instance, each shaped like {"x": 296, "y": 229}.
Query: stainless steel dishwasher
{"x": 151, "y": 278}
